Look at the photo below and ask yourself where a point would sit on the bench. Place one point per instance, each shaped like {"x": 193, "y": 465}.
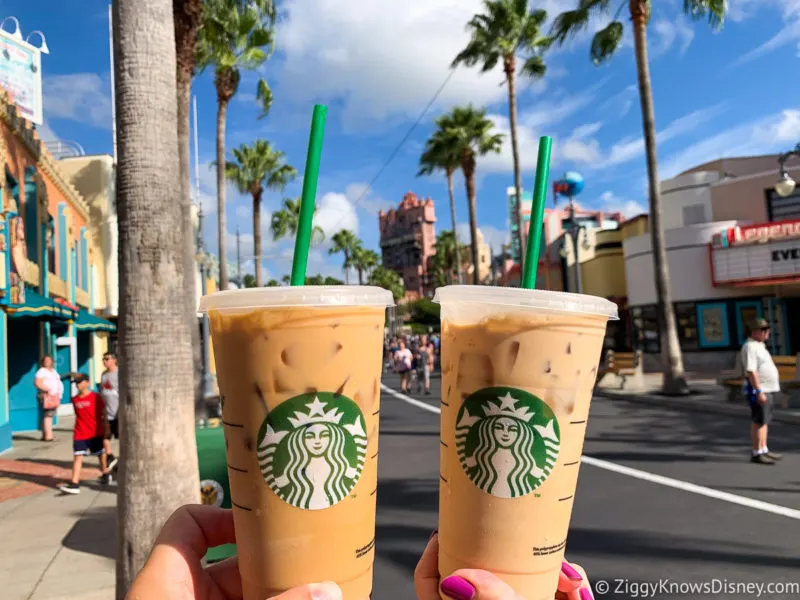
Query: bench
{"x": 623, "y": 366}
{"x": 787, "y": 371}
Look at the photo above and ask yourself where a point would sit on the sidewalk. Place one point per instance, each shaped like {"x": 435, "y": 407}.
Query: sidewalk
{"x": 707, "y": 397}
{"x": 56, "y": 546}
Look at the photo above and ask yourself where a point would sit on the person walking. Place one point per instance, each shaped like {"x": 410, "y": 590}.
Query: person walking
{"x": 762, "y": 382}
{"x": 109, "y": 389}
{"x": 49, "y": 391}
{"x": 402, "y": 365}
{"x": 424, "y": 365}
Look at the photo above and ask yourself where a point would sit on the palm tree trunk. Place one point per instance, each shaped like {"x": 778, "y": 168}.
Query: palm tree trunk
{"x": 187, "y": 15}
{"x": 257, "y": 237}
{"x": 509, "y": 66}
{"x": 360, "y": 276}
{"x": 159, "y": 468}
{"x": 222, "y": 111}
{"x": 346, "y": 267}
{"x": 468, "y": 166}
{"x": 453, "y": 217}
{"x": 674, "y": 376}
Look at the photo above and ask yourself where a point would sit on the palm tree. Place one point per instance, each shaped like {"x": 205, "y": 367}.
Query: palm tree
{"x": 346, "y": 242}
{"x": 506, "y": 31}
{"x": 157, "y": 412}
{"x": 257, "y": 168}
{"x": 605, "y": 43}
{"x": 447, "y": 261}
{"x": 285, "y": 222}
{"x": 364, "y": 260}
{"x": 472, "y": 136}
{"x": 187, "y": 17}
{"x": 388, "y": 280}
{"x": 234, "y": 36}
{"x": 440, "y": 154}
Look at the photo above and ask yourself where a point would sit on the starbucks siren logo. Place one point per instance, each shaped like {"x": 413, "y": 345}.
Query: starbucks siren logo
{"x": 507, "y": 441}
{"x": 312, "y": 449}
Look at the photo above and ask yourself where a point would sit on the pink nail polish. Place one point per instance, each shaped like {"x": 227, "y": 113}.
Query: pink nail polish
{"x": 586, "y": 594}
{"x": 570, "y": 571}
{"x": 458, "y": 588}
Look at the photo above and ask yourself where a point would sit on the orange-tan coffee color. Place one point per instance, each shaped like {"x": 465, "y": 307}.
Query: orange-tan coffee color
{"x": 518, "y": 367}
{"x": 301, "y": 400}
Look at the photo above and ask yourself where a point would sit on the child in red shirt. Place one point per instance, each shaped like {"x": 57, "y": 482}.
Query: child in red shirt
{"x": 89, "y": 434}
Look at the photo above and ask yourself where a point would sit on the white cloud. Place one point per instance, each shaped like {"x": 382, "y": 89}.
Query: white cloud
{"x": 334, "y": 213}
{"x": 765, "y": 135}
{"x": 610, "y": 202}
{"x": 384, "y": 59}
{"x": 667, "y": 32}
{"x": 243, "y": 211}
{"x": 788, "y": 34}
{"x": 81, "y": 97}
{"x": 622, "y": 102}
{"x": 364, "y": 198}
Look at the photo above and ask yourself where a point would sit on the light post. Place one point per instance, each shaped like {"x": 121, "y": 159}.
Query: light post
{"x": 574, "y": 233}
{"x": 786, "y": 185}
{"x": 204, "y": 261}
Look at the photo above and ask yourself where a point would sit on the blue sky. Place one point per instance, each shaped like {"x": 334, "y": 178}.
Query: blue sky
{"x": 377, "y": 64}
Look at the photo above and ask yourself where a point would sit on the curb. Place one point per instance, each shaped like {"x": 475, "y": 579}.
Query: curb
{"x": 696, "y": 404}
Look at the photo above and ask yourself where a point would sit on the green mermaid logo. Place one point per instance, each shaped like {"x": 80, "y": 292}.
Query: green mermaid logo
{"x": 507, "y": 441}
{"x": 312, "y": 449}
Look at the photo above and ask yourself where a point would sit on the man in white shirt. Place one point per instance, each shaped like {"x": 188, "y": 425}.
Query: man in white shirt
{"x": 761, "y": 385}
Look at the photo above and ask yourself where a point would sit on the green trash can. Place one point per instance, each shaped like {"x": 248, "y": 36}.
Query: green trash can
{"x": 214, "y": 486}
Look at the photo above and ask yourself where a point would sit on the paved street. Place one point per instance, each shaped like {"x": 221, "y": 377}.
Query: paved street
{"x": 623, "y": 526}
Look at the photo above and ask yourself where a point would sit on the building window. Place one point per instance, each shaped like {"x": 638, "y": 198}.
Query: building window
{"x": 712, "y": 324}
{"x": 694, "y": 214}
{"x": 686, "y": 317}
{"x": 646, "y": 330}
{"x": 51, "y": 245}
{"x": 61, "y": 237}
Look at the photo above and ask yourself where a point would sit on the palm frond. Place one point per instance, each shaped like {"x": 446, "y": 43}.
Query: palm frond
{"x": 606, "y": 41}
{"x": 715, "y": 10}
{"x": 568, "y": 24}
{"x": 264, "y": 97}
{"x": 533, "y": 67}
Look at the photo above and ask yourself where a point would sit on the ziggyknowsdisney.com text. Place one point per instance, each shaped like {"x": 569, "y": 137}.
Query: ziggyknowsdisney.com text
{"x": 663, "y": 588}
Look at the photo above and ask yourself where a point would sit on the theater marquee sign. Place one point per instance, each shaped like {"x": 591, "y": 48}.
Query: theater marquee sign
{"x": 756, "y": 254}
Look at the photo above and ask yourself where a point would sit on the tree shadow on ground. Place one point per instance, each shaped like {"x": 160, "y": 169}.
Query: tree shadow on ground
{"x": 94, "y": 532}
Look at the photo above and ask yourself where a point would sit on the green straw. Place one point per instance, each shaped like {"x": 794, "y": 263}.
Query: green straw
{"x": 302, "y": 241}
{"x": 537, "y": 213}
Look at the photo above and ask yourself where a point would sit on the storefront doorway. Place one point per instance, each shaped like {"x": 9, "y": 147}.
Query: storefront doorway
{"x": 67, "y": 362}
{"x": 23, "y": 362}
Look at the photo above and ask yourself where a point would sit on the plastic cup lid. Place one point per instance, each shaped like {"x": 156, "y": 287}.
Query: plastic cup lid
{"x": 308, "y": 295}
{"x": 523, "y": 298}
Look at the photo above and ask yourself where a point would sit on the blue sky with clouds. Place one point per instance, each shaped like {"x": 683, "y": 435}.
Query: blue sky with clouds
{"x": 378, "y": 64}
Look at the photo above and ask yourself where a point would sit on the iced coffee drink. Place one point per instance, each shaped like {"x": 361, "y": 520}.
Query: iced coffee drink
{"x": 518, "y": 369}
{"x": 299, "y": 373}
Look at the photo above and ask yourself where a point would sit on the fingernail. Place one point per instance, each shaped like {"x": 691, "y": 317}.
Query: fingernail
{"x": 433, "y": 533}
{"x": 570, "y": 571}
{"x": 586, "y": 594}
{"x": 327, "y": 590}
{"x": 458, "y": 588}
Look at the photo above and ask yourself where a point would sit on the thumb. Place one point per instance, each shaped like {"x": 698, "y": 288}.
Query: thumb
{"x": 326, "y": 590}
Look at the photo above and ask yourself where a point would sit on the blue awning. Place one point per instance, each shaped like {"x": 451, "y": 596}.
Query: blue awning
{"x": 39, "y": 307}
{"x": 86, "y": 321}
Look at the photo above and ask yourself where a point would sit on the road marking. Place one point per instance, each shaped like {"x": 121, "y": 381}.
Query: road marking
{"x": 693, "y": 488}
{"x": 677, "y": 484}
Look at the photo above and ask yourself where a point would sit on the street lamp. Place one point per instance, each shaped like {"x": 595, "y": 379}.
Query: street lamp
{"x": 786, "y": 185}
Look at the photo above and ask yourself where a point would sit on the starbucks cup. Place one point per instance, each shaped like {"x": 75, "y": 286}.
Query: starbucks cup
{"x": 299, "y": 372}
{"x": 518, "y": 369}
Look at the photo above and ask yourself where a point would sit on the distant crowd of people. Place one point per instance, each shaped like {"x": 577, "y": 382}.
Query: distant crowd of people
{"x": 414, "y": 358}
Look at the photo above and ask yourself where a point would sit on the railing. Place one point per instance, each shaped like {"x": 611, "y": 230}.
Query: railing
{"x": 64, "y": 149}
